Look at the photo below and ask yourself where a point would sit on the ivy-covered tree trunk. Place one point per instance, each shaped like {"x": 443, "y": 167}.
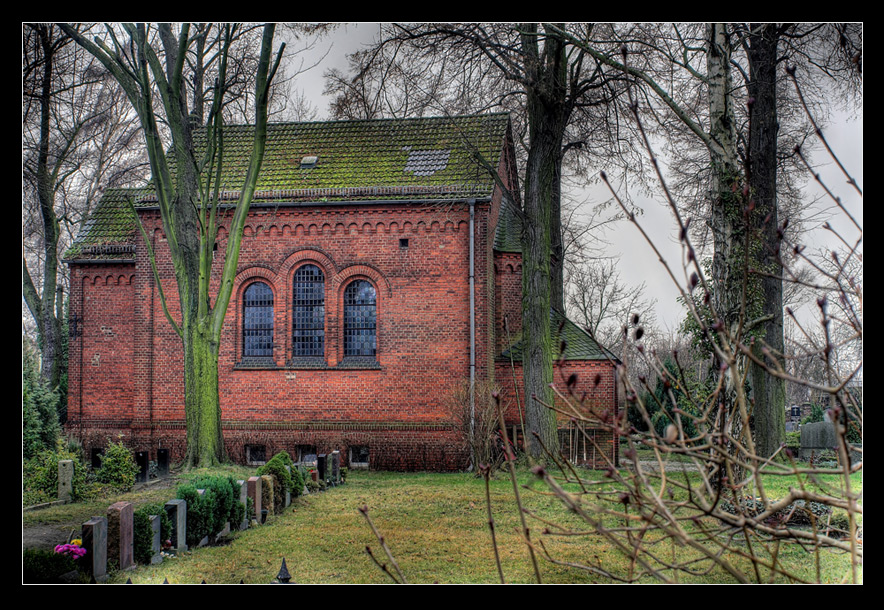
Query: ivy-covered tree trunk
{"x": 768, "y": 391}
{"x": 729, "y": 236}
{"x": 202, "y": 407}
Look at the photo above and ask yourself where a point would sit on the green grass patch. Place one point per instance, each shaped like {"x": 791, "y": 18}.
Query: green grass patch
{"x": 436, "y": 527}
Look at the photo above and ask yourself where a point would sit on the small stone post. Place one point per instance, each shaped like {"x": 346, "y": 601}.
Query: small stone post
{"x": 65, "y": 480}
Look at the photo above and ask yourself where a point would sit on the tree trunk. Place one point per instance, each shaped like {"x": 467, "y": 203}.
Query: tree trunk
{"x": 768, "y": 392}
{"x": 202, "y": 407}
{"x": 49, "y": 325}
{"x": 547, "y": 113}
{"x": 728, "y": 232}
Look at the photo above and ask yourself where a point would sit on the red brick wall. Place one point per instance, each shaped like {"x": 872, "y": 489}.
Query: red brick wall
{"x": 422, "y": 335}
{"x": 101, "y": 370}
{"x": 585, "y": 408}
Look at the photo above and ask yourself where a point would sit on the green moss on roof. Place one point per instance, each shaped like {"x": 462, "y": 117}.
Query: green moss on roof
{"x": 109, "y": 232}
{"x": 508, "y": 234}
{"x": 424, "y": 159}
{"x": 570, "y": 342}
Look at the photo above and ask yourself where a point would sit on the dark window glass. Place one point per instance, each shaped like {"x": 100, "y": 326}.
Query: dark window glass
{"x": 308, "y": 327}
{"x": 258, "y": 321}
{"x": 360, "y": 331}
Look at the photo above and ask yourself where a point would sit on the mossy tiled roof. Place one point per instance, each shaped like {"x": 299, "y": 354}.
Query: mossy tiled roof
{"x": 109, "y": 233}
{"x": 371, "y": 160}
{"x": 508, "y": 234}
{"x": 424, "y": 159}
{"x": 570, "y": 342}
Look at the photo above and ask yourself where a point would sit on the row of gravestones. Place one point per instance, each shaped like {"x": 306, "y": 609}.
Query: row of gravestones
{"x": 111, "y": 538}
{"x": 328, "y": 468}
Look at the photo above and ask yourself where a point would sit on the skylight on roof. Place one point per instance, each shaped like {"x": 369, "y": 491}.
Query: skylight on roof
{"x": 427, "y": 162}
{"x": 309, "y": 161}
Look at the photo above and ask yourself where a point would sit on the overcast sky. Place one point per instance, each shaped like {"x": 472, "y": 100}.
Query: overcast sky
{"x": 637, "y": 262}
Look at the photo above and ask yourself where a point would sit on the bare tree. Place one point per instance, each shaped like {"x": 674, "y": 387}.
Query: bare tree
{"x": 190, "y": 203}
{"x": 76, "y": 140}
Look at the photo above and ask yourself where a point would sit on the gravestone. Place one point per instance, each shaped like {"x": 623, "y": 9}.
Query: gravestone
{"x": 336, "y": 467}
{"x": 255, "y": 493}
{"x": 244, "y": 500}
{"x": 177, "y": 511}
{"x": 156, "y": 544}
{"x": 288, "y": 492}
{"x": 267, "y": 500}
{"x": 163, "y": 462}
{"x": 321, "y": 463}
{"x": 65, "y": 479}
{"x": 817, "y": 437}
{"x": 94, "y": 539}
{"x": 120, "y": 535}
{"x": 142, "y": 459}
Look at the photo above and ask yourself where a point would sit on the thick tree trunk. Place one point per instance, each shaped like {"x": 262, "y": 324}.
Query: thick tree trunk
{"x": 536, "y": 302}
{"x": 202, "y": 407}
{"x": 768, "y": 392}
{"x": 547, "y": 113}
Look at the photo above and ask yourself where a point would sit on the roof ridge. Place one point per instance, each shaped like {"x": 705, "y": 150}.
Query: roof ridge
{"x": 499, "y": 114}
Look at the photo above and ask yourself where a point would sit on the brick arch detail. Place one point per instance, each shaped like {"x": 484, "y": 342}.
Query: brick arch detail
{"x": 243, "y": 280}
{"x": 361, "y": 270}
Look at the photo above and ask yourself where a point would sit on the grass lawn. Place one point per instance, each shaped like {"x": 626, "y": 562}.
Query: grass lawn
{"x": 436, "y": 527}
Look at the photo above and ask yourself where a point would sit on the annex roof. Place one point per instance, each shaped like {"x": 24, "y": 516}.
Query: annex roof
{"x": 570, "y": 342}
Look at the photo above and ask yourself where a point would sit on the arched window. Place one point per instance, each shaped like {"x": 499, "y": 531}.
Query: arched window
{"x": 257, "y": 325}
{"x": 360, "y": 319}
{"x": 308, "y": 315}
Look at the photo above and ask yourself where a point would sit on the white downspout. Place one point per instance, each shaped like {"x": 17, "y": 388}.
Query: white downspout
{"x": 472, "y": 203}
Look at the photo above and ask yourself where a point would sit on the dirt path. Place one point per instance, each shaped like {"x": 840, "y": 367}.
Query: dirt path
{"x": 47, "y": 536}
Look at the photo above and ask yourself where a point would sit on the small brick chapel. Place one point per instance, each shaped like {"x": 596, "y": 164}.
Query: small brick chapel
{"x": 379, "y": 262}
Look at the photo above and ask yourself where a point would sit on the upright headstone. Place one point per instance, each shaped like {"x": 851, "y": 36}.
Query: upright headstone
{"x": 120, "y": 535}
{"x": 288, "y": 492}
{"x": 267, "y": 499}
{"x": 177, "y": 511}
{"x": 244, "y": 499}
{"x": 65, "y": 479}
{"x": 817, "y": 437}
{"x": 321, "y": 463}
{"x": 163, "y": 462}
{"x": 336, "y": 467}
{"x": 94, "y": 539}
{"x": 156, "y": 544}
{"x": 142, "y": 459}
{"x": 255, "y": 494}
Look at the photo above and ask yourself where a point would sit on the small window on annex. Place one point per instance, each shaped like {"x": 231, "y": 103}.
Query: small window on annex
{"x": 360, "y": 319}
{"x": 258, "y": 321}
{"x": 308, "y": 326}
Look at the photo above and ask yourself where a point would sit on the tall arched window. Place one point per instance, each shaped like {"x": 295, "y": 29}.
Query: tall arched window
{"x": 360, "y": 319}
{"x": 308, "y": 313}
{"x": 257, "y": 325}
